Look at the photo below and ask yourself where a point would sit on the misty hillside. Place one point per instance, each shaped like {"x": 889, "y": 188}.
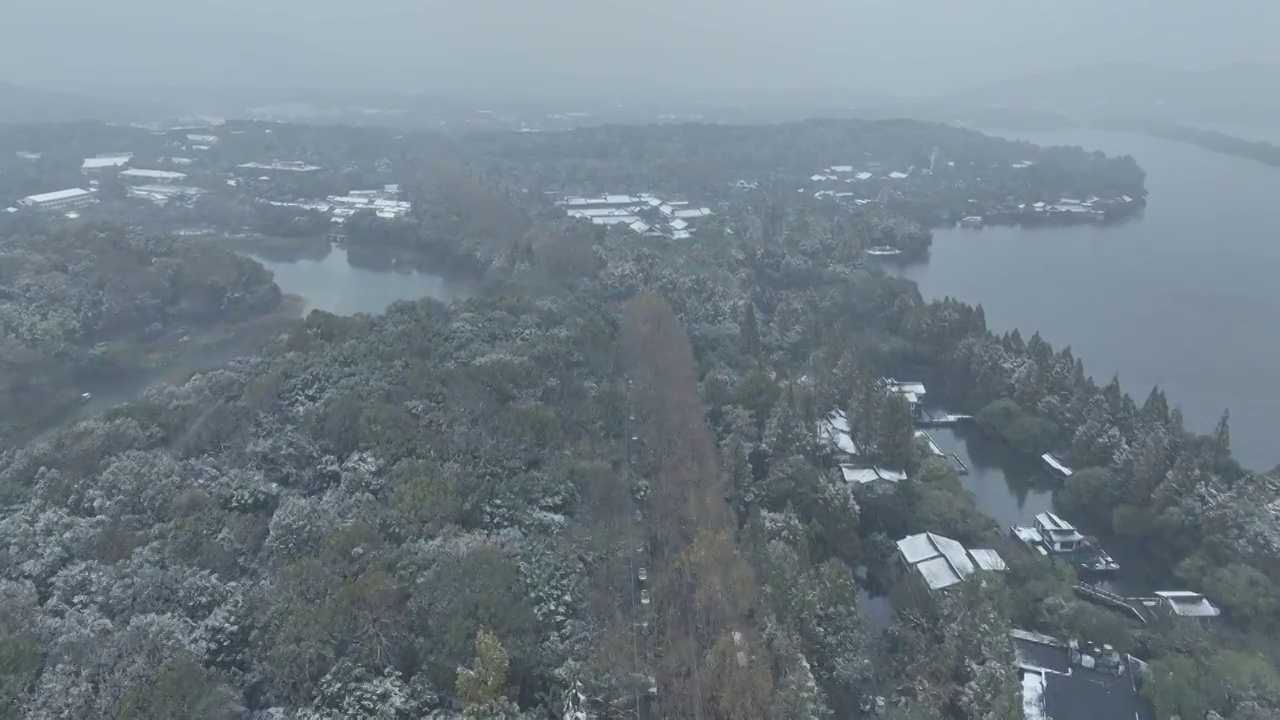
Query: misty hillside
{"x": 1242, "y": 92}
{"x": 21, "y": 104}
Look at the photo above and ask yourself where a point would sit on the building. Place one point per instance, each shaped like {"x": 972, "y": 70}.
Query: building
{"x": 1056, "y": 466}
{"x": 154, "y": 176}
{"x": 286, "y": 166}
{"x": 912, "y": 392}
{"x": 1185, "y": 604}
{"x": 1076, "y": 681}
{"x": 833, "y": 432}
{"x": 162, "y": 194}
{"x": 873, "y": 477}
{"x": 59, "y": 200}
{"x": 941, "y": 562}
{"x": 1052, "y": 536}
{"x": 102, "y": 162}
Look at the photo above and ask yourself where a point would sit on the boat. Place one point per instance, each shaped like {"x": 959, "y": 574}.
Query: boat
{"x": 1053, "y": 537}
{"x": 86, "y": 397}
{"x": 971, "y": 220}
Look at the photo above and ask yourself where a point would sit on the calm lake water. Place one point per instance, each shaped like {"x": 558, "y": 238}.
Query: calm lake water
{"x": 1184, "y": 297}
{"x": 337, "y": 283}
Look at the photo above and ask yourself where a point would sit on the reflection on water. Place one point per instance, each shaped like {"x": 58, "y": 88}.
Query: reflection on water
{"x": 1182, "y": 298}
{"x": 1009, "y": 487}
{"x": 359, "y": 281}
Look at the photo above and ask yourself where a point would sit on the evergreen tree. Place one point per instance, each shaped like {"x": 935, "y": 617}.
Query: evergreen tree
{"x": 485, "y": 681}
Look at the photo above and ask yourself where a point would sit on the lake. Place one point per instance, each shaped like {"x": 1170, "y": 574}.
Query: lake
{"x": 1183, "y": 297}
{"x": 338, "y": 283}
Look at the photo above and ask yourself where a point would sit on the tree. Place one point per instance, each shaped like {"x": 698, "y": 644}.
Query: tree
{"x": 750, "y": 332}
{"x": 485, "y": 682}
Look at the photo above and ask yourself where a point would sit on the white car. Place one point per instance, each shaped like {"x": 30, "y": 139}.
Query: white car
{"x": 643, "y": 574}
{"x": 644, "y": 597}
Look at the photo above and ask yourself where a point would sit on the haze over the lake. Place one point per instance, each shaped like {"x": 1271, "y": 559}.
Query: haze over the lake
{"x": 574, "y": 48}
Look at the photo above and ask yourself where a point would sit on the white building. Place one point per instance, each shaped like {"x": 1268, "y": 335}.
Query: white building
{"x": 158, "y": 176}
{"x": 855, "y": 475}
{"x": 834, "y": 432}
{"x": 59, "y": 200}
{"x": 942, "y": 562}
{"x": 290, "y": 166}
{"x": 102, "y": 162}
{"x": 1184, "y": 603}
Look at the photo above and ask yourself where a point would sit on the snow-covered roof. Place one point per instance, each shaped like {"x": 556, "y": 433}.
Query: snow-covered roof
{"x": 55, "y": 195}
{"x": 293, "y": 166}
{"x": 1188, "y": 604}
{"x": 152, "y": 174}
{"x": 95, "y": 163}
{"x": 681, "y": 235}
{"x": 614, "y": 219}
{"x": 1033, "y": 707}
{"x": 600, "y": 212}
{"x": 639, "y": 226}
{"x": 840, "y": 168}
{"x": 1055, "y": 464}
{"x": 1053, "y": 523}
{"x": 896, "y": 175}
{"x": 988, "y": 560}
{"x": 943, "y": 562}
{"x": 679, "y": 224}
{"x": 695, "y": 213}
{"x": 865, "y": 476}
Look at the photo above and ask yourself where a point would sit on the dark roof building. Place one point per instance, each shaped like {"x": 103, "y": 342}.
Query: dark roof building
{"x": 1076, "y": 681}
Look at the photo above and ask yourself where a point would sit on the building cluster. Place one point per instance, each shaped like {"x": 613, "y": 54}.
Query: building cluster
{"x": 384, "y": 203}
{"x": 644, "y": 214}
{"x": 850, "y": 185}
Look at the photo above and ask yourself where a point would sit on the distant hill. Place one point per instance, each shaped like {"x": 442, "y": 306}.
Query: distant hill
{"x": 21, "y": 104}
{"x": 1243, "y": 92}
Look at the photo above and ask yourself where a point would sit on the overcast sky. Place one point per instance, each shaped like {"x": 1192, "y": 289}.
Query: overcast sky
{"x": 559, "y": 46}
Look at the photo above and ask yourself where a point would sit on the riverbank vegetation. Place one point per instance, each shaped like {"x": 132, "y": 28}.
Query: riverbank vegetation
{"x": 596, "y": 487}
{"x": 105, "y": 303}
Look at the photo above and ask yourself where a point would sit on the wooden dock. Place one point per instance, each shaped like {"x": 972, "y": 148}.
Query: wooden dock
{"x": 958, "y": 464}
{"x": 1129, "y": 606}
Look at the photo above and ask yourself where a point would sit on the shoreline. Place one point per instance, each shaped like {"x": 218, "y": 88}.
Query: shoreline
{"x": 168, "y": 361}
